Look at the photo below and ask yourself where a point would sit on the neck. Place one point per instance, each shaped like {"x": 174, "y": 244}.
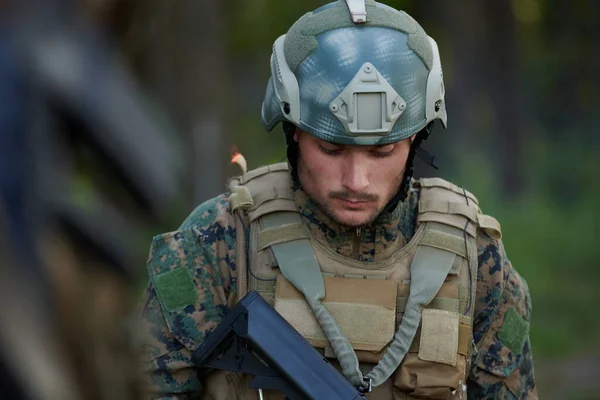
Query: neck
{"x": 391, "y": 226}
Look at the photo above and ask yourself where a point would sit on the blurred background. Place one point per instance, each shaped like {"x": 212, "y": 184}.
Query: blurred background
{"x": 166, "y": 89}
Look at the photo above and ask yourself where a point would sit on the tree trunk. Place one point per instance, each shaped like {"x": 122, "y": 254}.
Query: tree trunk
{"x": 503, "y": 81}
{"x": 185, "y": 61}
{"x": 458, "y": 31}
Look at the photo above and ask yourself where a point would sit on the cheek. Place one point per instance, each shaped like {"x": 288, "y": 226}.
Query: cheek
{"x": 383, "y": 176}
{"x": 321, "y": 168}
{"x": 387, "y": 174}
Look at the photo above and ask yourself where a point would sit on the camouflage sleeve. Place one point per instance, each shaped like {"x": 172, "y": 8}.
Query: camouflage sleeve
{"x": 191, "y": 288}
{"x": 502, "y": 364}
{"x": 166, "y": 363}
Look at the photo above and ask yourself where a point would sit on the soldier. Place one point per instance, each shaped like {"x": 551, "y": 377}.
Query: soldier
{"x": 415, "y": 276}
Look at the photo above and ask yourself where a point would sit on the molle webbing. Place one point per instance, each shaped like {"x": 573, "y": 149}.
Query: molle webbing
{"x": 272, "y": 193}
{"x": 243, "y": 201}
{"x": 445, "y": 241}
{"x": 464, "y": 341}
{"x": 447, "y": 207}
{"x": 450, "y": 212}
{"x": 353, "y": 303}
{"x": 441, "y": 183}
{"x": 270, "y": 188}
{"x": 241, "y": 261}
{"x": 281, "y": 234}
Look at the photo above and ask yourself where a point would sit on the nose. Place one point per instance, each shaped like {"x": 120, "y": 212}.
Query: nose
{"x": 356, "y": 175}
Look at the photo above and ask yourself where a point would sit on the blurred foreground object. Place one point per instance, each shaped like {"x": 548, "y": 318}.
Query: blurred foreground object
{"x": 85, "y": 166}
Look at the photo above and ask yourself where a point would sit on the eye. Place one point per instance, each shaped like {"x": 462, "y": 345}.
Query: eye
{"x": 331, "y": 151}
{"x": 383, "y": 151}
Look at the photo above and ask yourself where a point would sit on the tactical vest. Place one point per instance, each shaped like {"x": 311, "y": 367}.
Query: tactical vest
{"x": 417, "y": 304}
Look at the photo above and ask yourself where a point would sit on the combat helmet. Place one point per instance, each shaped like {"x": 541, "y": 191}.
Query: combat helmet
{"x": 356, "y": 72}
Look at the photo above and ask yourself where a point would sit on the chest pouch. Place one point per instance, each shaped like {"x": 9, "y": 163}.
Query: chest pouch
{"x": 364, "y": 309}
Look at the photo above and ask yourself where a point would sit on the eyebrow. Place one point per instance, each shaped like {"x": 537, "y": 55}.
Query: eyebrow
{"x": 373, "y": 147}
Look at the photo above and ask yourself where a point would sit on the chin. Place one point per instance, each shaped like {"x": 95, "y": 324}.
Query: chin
{"x": 353, "y": 221}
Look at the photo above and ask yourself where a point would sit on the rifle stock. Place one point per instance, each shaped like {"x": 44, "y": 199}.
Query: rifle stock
{"x": 255, "y": 339}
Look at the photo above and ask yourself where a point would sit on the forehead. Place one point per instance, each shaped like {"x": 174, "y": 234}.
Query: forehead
{"x": 322, "y": 142}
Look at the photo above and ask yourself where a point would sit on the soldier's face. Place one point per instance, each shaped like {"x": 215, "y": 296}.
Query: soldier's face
{"x": 351, "y": 183}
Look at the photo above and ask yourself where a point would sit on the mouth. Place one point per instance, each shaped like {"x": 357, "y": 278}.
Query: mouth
{"x": 354, "y": 204}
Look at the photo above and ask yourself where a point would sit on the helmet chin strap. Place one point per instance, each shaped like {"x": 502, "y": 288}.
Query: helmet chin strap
{"x": 415, "y": 149}
{"x": 292, "y": 149}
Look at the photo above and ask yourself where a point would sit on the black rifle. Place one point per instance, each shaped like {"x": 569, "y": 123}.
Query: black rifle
{"x": 254, "y": 339}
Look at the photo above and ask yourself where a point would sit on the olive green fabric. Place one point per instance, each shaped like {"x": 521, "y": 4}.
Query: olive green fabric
{"x": 176, "y": 288}
{"x": 514, "y": 331}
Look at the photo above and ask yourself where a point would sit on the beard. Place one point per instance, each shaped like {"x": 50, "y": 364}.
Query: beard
{"x": 308, "y": 183}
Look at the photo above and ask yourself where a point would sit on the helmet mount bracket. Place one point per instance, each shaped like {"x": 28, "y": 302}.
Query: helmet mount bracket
{"x": 358, "y": 11}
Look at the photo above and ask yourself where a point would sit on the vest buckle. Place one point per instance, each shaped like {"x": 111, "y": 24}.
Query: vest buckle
{"x": 366, "y": 387}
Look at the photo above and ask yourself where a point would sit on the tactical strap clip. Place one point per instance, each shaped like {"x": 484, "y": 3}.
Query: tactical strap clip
{"x": 367, "y": 387}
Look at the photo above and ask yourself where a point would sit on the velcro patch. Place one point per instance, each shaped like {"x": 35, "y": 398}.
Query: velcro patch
{"x": 439, "y": 336}
{"x": 514, "y": 331}
{"x": 176, "y": 289}
{"x": 364, "y": 309}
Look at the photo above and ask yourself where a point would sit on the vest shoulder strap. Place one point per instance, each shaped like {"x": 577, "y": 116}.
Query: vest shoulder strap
{"x": 446, "y": 203}
{"x": 262, "y": 191}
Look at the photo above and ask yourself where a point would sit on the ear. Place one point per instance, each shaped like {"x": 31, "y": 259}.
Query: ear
{"x": 296, "y": 133}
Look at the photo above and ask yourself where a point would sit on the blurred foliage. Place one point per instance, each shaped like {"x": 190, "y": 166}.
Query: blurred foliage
{"x": 552, "y": 240}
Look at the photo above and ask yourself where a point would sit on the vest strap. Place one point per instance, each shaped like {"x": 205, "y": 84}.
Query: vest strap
{"x": 272, "y": 206}
{"x": 272, "y": 193}
{"x": 240, "y": 198}
{"x": 428, "y": 272}
{"x": 441, "y": 183}
{"x": 299, "y": 265}
{"x": 354, "y": 276}
{"x": 255, "y": 173}
{"x": 453, "y": 221}
{"x": 439, "y": 303}
{"x": 240, "y": 258}
{"x": 281, "y": 234}
{"x": 444, "y": 241}
{"x": 490, "y": 225}
{"x": 449, "y": 207}
{"x": 296, "y": 259}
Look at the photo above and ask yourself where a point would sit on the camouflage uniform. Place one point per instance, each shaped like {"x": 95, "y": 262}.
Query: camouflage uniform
{"x": 502, "y": 364}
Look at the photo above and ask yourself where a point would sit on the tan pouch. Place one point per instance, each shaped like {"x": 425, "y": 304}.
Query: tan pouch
{"x": 426, "y": 379}
{"x": 430, "y": 379}
{"x": 439, "y": 336}
{"x": 364, "y": 309}
{"x": 435, "y": 365}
